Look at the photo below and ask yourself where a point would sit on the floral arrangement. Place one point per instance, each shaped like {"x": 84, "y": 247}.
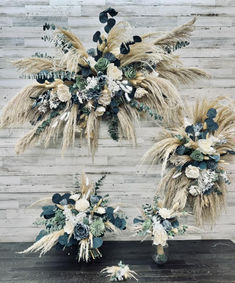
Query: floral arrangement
{"x": 196, "y": 155}
{"x": 159, "y": 222}
{"x": 124, "y": 77}
{"x": 78, "y": 219}
{"x": 119, "y": 272}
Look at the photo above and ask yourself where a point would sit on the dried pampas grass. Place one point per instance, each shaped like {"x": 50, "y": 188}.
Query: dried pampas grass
{"x": 45, "y": 243}
{"x": 34, "y": 65}
{"x": 19, "y": 109}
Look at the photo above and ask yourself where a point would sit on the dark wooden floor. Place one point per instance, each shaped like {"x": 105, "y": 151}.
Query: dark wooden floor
{"x": 189, "y": 261}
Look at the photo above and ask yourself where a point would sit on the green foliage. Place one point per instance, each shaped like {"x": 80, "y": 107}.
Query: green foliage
{"x": 113, "y": 128}
{"x": 178, "y": 45}
{"x": 102, "y": 64}
{"x": 97, "y": 227}
{"x": 99, "y": 183}
{"x": 80, "y": 83}
{"x": 141, "y": 107}
{"x": 55, "y": 223}
{"x": 62, "y": 75}
{"x": 182, "y": 229}
{"x": 47, "y": 122}
{"x": 41, "y": 55}
{"x": 130, "y": 72}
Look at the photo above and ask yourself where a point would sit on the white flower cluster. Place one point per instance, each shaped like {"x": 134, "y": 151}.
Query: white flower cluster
{"x": 160, "y": 236}
{"x": 71, "y": 219}
{"x": 206, "y": 181}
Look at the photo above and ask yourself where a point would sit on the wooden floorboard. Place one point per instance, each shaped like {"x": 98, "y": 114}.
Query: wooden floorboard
{"x": 201, "y": 261}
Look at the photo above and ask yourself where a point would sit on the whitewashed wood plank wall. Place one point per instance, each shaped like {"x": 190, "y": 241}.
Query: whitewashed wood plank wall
{"x": 38, "y": 172}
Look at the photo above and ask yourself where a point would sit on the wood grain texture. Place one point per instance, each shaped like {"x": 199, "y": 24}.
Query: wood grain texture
{"x": 209, "y": 261}
{"x": 38, "y": 172}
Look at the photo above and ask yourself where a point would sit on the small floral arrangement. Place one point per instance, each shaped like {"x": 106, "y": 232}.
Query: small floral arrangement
{"x": 124, "y": 76}
{"x": 195, "y": 154}
{"x": 119, "y": 272}
{"x": 158, "y": 222}
{"x": 78, "y": 219}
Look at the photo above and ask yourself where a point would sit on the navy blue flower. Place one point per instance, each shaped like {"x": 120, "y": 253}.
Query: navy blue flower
{"x": 81, "y": 231}
{"x": 211, "y": 113}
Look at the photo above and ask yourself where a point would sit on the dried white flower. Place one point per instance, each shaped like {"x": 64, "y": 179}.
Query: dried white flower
{"x": 192, "y": 172}
{"x": 194, "y": 191}
{"x": 91, "y": 82}
{"x": 140, "y": 92}
{"x": 100, "y": 210}
{"x": 68, "y": 228}
{"x": 100, "y": 111}
{"x": 91, "y": 61}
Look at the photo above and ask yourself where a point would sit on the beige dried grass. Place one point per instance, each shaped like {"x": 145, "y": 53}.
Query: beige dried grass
{"x": 34, "y": 65}
{"x": 45, "y": 243}
{"x": 19, "y": 109}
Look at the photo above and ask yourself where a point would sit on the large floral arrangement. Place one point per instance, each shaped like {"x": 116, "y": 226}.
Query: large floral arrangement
{"x": 159, "y": 222}
{"x": 78, "y": 219}
{"x": 125, "y": 76}
{"x": 195, "y": 155}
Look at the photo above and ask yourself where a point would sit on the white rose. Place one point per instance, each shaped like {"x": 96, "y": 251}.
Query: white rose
{"x": 160, "y": 236}
{"x": 68, "y": 228}
{"x": 192, "y": 172}
{"x": 82, "y": 205}
{"x": 114, "y": 72}
{"x": 100, "y": 111}
{"x": 194, "y": 191}
{"x": 140, "y": 92}
{"x": 205, "y": 146}
{"x": 165, "y": 213}
{"x": 63, "y": 93}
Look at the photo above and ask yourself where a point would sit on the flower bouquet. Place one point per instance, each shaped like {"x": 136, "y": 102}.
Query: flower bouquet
{"x": 124, "y": 77}
{"x": 161, "y": 224}
{"x": 195, "y": 155}
{"x": 120, "y": 272}
{"x": 78, "y": 219}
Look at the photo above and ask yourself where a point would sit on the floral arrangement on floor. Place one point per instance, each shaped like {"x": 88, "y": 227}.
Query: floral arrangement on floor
{"x": 159, "y": 223}
{"x": 120, "y": 272}
{"x": 78, "y": 219}
{"x": 195, "y": 155}
{"x": 124, "y": 77}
